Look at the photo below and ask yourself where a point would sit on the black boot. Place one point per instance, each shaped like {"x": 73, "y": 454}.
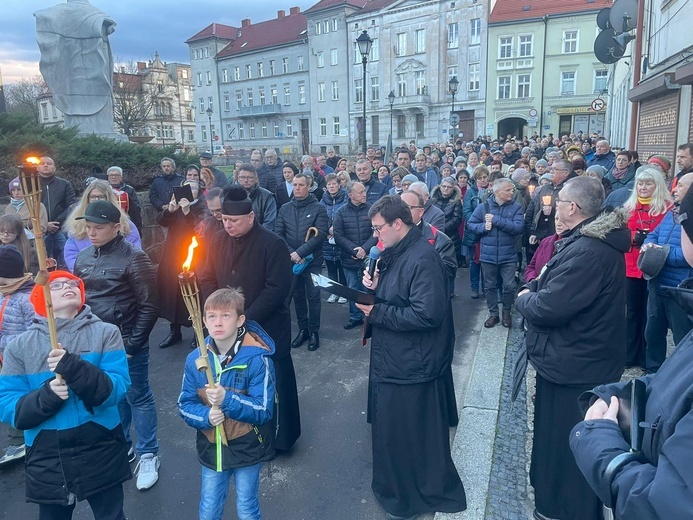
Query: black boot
{"x": 300, "y": 338}
{"x": 174, "y": 337}
{"x": 314, "y": 343}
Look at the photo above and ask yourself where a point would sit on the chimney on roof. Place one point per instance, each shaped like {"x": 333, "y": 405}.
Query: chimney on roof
{"x": 294, "y": 10}
{"x": 245, "y": 22}
{"x": 281, "y": 14}
{"x": 141, "y": 65}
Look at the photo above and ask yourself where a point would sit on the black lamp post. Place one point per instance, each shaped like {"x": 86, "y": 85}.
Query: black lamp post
{"x": 391, "y": 99}
{"x": 211, "y": 134}
{"x": 453, "y": 85}
{"x": 364, "y": 42}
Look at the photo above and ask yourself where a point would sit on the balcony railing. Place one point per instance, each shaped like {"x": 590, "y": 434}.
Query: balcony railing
{"x": 260, "y": 110}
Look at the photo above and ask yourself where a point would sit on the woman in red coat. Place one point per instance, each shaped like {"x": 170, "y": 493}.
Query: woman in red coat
{"x": 648, "y": 203}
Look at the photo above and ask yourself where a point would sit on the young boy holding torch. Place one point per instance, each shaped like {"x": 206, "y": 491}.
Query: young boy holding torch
{"x": 75, "y": 445}
{"x": 243, "y": 399}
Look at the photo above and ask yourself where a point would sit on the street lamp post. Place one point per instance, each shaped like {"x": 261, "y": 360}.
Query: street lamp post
{"x": 161, "y": 119}
{"x": 364, "y": 42}
{"x": 391, "y": 99}
{"x": 453, "y": 85}
{"x": 211, "y": 134}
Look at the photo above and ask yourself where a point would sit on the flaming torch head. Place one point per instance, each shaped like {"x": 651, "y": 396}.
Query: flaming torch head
{"x": 189, "y": 259}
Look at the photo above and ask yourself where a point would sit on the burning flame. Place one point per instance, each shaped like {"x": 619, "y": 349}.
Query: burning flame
{"x": 33, "y": 160}
{"x": 188, "y": 261}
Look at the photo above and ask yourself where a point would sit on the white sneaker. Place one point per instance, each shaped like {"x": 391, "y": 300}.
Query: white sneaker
{"x": 332, "y": 298}
{"x": 147, "y": 471}
{"x": 342, "y": 300}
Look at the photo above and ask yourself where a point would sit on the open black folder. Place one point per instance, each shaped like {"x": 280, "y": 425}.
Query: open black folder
{"x": 631, "y": 411}
{"x": 332, "y": 287}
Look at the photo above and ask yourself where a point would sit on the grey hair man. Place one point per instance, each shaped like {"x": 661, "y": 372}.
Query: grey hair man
{"x": 126, "y": 195}
{"x": 270, "y": 172}
{"x": 432, "y": 213}
{"x": 264, "y": 202}
{"x": 603, "y": 156}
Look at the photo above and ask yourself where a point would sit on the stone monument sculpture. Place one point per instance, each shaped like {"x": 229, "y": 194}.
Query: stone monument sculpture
{"x": 77, "y": 64}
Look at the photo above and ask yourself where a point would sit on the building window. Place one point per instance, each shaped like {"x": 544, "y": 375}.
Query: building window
{"x": 452, "y": 72}
{"x": 289, "y": 128}
{"x": 301, "y": 94}
{"x": 263, "y": 130}
{"x": 326, "y": 26}
{"x": 224, "y": 75}
{"x": 239, "y": 100}
{"x": 271, "y": 67}
{"x": 420, "y": 82}
{"x": 401, "y": 47}
{"x": 261, "y": 92}
{"x": 260, "y": 71}
{"x": 333, "y": 57}
{"x": 420, "y": 40}
{"x": 335, "y": 91}
{"x": 401, "y": 85}
{"x": 199, "y": 79}
{"x": 184, "y": 73}
{"x": 299, "y": 63}
{"x": 44, "y": 111}
{"x": 210, "y": 102}
{"x": 237, "y": 74}
{"x": 227, "y": 103}
{"x": 375, "y": 89}
{"x": 526, "y": 41}
{"x": 285, "y": 65}
{"x": 206, "y": 52}
{"x": 229, "y": 130}
{"x": 375, "y": 50}
{"x": 358, "y": 90}
{"x": 601, "y": 78}
{"x": 505, "y": 47}
{"x": 321, "y": 58}
{"x": 273, "y": 95}
{"x": 401, "y": 127}
{"x": 334, "y": 24}
{"x": 241, "y": 131}
{"x": 276, "y": 128}
{"x": 335, "y": 125}
{"x": 186, "y": 94}
{"x": 248, "y": 72}
{"x": 321, "y": 91}
{"x": 453, "y": 36}
{"x": 252, "y": 130}
{"x": 568, "y": 83}
{"x": 287, "y": 95}
{"x": 474, "y": 75}
{"x": 250, "y": 97}
{"x": 191, "y": 136}
{"x": 197, "y": 54}
{"x": 318, "y": 28}
{"x": 570, "y": 42}
{"x": 208, "y": 76}
{"x": 323, "y": 127}
{"x": 419, "y": 125}
{"x": 523, "y": 81}
{"x": 204, "y": 133}
{"x": 504, "y": 87}
{"x": 475, "y": 31}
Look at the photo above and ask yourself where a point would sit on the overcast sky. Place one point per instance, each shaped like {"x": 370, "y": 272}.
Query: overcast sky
{"x": 144, "y": 27}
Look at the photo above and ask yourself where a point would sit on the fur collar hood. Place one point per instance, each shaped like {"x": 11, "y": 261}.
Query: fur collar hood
{"x": 454, "y": 198}
{"x": 610, "y": 227}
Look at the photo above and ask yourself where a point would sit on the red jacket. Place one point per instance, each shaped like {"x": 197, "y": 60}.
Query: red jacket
{"x": 639, "y": 219}
{"x": 541, "y": 257}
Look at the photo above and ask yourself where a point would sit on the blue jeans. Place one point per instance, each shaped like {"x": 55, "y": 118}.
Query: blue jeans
{"x": 215, "y": 488}
{"x": 55, "y": 247}
{"x": 139, "y": 406}
{"x": 353, "y": 281}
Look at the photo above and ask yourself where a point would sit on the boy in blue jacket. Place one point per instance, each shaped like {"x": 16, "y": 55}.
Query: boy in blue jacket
{"x": 243, "y": 401}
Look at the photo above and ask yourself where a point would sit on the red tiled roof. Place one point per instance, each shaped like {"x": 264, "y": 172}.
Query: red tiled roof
{"x": 325, "y": 4}
{"x": 512, "y": 10}
{"x": 215, "y": 29}
{"x": 374, "y": 5}
{"x": 269, "y": 33}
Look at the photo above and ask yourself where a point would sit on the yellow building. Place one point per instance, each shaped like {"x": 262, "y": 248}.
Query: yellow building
{"x": 543, "y": 75}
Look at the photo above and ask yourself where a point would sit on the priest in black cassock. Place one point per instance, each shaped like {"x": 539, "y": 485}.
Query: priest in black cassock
{"x": 411, "y": 349}
{"x": 245, "y": 255}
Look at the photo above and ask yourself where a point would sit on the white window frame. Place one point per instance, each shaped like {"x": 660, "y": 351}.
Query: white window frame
{"x": 271, "y": 67}
{"x": 239, "y": 100}
{"x": 299, "y": 63}
{"x": 420, "y": 39}
{"x": 227, "y": 103}
{"x": 505, "y": 47}
{"x": 251, "y": 131}
{"x": 375, "y": 88}
{"x": 420, "y": 82}
{"x": 237, "y": 74}
{"x": 321, "y": 91}
{"x": 320, "y": 58}
{"x": 524, "y": 89}
{"x": 224, "y": 75}
{"x": 452, "y": 72}
{"x": 248, "y": 71}
{"x": 572, "y": 45}
{"x": 241, "y": 131}
{"x": 289, "y": 128}
{"x": 358, "y": 90}
{"x": 261, "y": 95}
{"x": 336, "y": 129}
{"x": 401, "y": 44}
{"x": 474, "y": 76}
{"x": 323, "y": 126}
{"x": 334, "y": 57}
{"x": 287, "y": 95}
{"x": 285, "y": 65}
{"x": 401, "y": 80}
{"x": 375, "y": 50}
{"x": 301, "y": 94}
{"x": 263, "y": 130}
{"x": 605, "y": 80}
{"x": 522, "y": 45}
{"x": 506, "y": 86}
{"x": 564, "y": 74}
{"x": 475, "y": 31}
{"x": 274, "y": 95}
{"x": 453, "y": 35}
{"x": 335, "y": 91}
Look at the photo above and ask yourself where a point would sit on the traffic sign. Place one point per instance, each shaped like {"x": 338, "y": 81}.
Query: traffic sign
{"x": 598, "y": 105}
{"x": 454, "y": 119}
{"x": 216, "y": 137}
{"x": 533, "y": 112}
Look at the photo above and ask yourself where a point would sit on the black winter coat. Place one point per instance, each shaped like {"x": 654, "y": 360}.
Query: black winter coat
{"x": 270, "y": 176}
{"x": 57, "y": 195}
{"x": 352, "y": 229}
{"x": 536, "y": 223}
{"x": 259, "y": 264}
{"x": 452, "y": 208}
{"x": 120, "y": 286}
{"x": 576, "y": 331}
{"x": 264, "y": 206}
{"x": 281, "y": 195}
{"x": 413, "y": 331}
{"x": 331, "y": 251}
{"x": 293, "y": 222}
{"x": 161, "y": 190}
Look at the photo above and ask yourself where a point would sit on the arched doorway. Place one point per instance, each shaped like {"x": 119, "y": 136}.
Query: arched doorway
{"x": 512, "y": 125}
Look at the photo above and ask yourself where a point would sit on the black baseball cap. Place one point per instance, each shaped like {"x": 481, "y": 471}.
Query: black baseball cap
{"x": 205, "y": 155}
{"x": 101, "y": 212}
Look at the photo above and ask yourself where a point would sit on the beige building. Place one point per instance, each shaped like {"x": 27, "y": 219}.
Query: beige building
{"x": 543, "y": 75}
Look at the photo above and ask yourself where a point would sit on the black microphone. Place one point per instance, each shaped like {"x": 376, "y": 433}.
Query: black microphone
{"x": 373, "y": 256}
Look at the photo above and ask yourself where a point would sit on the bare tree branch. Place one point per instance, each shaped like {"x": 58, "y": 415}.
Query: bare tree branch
{"x": 21, "y": 97}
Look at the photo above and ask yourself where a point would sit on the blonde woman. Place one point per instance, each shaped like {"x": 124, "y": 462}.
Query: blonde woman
{"x": 648, "y": 203}
{"x": 77, "y": 238}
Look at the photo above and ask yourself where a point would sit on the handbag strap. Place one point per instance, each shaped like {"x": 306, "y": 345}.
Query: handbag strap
{"x": 2, "y": 310}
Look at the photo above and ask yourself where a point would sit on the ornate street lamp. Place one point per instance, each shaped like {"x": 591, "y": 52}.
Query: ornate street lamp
{"x": 391, "y": 99}
{"x": 211, "y": 134}
{"x": 364, "y": 43}
{"x": 453, "y": 85}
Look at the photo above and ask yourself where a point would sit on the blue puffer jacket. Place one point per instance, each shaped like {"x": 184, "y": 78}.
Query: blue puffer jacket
{"x": 331, "y": 252}
{"x": 676, "y": 269}
{"x": 18, "y": 314}
{"x": 498, "y": 245}
{"x": 352, "y": 229}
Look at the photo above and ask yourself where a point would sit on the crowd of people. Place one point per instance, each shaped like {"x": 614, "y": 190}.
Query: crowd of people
{"x": 576, "y": 235}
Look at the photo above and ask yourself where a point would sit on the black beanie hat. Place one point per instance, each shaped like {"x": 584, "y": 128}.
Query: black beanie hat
{"x": 236, "y": 201}
{"x": 11, "y": 262}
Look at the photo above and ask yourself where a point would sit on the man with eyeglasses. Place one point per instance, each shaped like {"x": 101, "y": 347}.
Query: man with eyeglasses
{"x": 213, "y": 223}
{"x": 264, "y": 203}
{"x": 121, "y": 289}
{"x": 206, "y": 161}
{"x": 125, "y": 192}
{"x": 270, "y": 172}
{"x": 541, "y": 212}
{"x": 409, "y": 406}
{"x": 576, "y": 340}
